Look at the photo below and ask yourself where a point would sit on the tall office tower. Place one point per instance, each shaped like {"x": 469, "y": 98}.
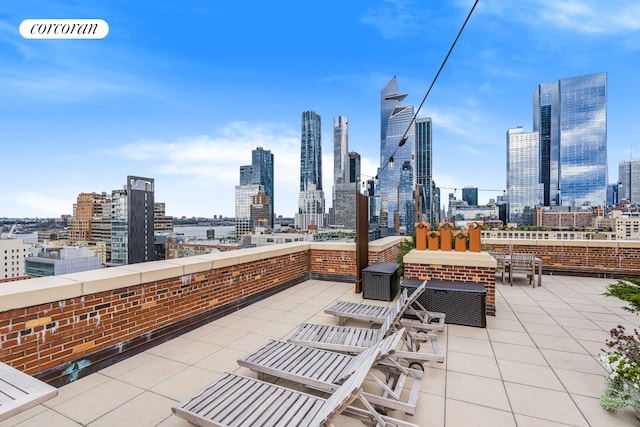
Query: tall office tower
{"x": 262, "y": 172}
{"x": 340, "y": 150}
{"x": 406, "y": 201}
{"x": 524, "y": 189}
{"x": 244, "y": 201}
{"x": 132, "y": 223}
{"x": 246, "y": 174}
{"x": 470, "y": 195}
{"x": 311, "y": 203}
{"x": 424, "y": 168}
{"x": 629, "y": 181}
{"x": 570, "y": 116}
{"x": 395, "y": 120}
{"x": 354, "y": 167}
{"x": 344, "y": 189}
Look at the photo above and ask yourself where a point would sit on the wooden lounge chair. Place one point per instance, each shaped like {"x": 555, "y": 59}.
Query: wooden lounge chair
{"x": 19, "y": 391}
{"x": 355, "y": 340}
{"x": 376, "y": 314}
{"x": 326, "y": 370}
{"x": 235, "y": 400}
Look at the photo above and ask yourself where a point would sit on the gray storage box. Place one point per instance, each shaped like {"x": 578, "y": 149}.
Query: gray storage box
{"x": 380, "y": 281}
{"x": 463, "y": 303}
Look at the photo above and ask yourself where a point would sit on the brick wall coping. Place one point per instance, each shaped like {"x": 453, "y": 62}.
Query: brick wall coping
{"x": 385, "y": 243}
{"x": 466, "y": 259}
{"x": 42, "y": 290}
{"x": 568, "y": 243}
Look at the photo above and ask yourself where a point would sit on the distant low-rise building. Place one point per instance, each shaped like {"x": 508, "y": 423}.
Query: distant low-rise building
{"x": 13, "y": 252}
{"x": 46, "y": 261}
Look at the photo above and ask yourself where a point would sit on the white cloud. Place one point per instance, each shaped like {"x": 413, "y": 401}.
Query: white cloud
{"x": 200, "y": 172}
{"x": 582, "y": 16}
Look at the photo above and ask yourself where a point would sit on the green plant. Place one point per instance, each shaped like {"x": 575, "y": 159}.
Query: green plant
{"x": 628, "y": 290}
{"x": 405, "y": 247}
{"x": 622, "y": 360}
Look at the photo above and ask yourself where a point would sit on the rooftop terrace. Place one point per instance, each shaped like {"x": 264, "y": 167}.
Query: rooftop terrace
{"x": 534, "y": 365}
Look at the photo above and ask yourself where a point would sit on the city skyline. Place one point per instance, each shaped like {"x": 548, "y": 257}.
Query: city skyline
{"x": 182, "y": 93}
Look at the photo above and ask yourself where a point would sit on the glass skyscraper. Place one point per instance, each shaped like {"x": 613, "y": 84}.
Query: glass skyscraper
{"x": 311, "y": 208}
{"x": 262, "y": 173}
{"x": 395, "y": 120}
{"x": 406, "y": 200}
{"x": 570, "y": 116}
{"x": 524, "y": 189}
{"x": 424, "y": 167}
{"x": 311, "y": 152}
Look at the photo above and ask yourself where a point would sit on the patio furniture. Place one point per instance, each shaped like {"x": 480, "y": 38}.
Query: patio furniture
{"x": 376, "y": 314}
{"x": 355, "y": 340}
{"x": 463, "y": 303}
{"x": 235, "y": 400}
{"x": 326, "y": 370}
{"x": 19, "y": 391}
{"x": 501, "y": 262}
{"x": 380, "y": 281}
{"x": 522, "y": 263}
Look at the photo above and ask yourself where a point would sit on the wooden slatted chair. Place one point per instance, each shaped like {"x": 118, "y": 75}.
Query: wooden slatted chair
{"x": 235, "y": 400}
{"x": 376, "y": 314}
{"x": 501, "y": 263}
{"x": 522, "y": 263}
{"x": 355, "y": 340}
{"x": 326, "y": 370}
{"x": 19, "y": 391}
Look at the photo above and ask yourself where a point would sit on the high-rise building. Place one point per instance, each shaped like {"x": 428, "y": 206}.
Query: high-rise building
{"x": 470, "y": 195}
{"x": 629, "y": 181}
{"x": 245, "y": 195}
{"x": 346, "y": 176}
{"x": 132, "y": 222}
{"x": 570, "y": 116}
{"x": 311, "y": 152}
{"x": 524, "y": 189}
{"x": 259, "y": 172}
{"x": 424, "y": 169}
{"x": 406, "y": 201}
{"x": 395, "y": 120}
{"x": 311, "y": 202}
{"x": 354, "y": 167}
{"x": 340, "y": 150}
{"x": 262, "y": 173}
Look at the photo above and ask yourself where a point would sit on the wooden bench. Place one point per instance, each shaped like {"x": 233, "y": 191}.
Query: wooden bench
{"x": 19, "y": 391}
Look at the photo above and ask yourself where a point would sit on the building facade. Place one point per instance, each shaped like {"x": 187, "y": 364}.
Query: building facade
{"x": 311, "y": 201}
{"x": 61, "y": 260}
{"x": 262, "y": 173}
{"x": 424, "y": 169}
{"x": 570, "y": 116}
{"x": 132, "y": 222}
{"x": 245, "y": 195}
{"x": 397, "y": 145}
{"x": 524, "y": 189}
{"x": 629, "y": 182}
{"x": 470, "y": 195}
{"x": 13, "y": 253}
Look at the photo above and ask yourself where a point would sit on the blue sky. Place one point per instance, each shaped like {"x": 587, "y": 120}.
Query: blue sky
{"x": 182, "y": 91}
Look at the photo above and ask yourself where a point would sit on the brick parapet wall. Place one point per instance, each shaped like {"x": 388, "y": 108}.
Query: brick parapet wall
{"x": 622, "y": 256}
{"x": 67, "y": 319}
{"x": 40, "y": 337}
